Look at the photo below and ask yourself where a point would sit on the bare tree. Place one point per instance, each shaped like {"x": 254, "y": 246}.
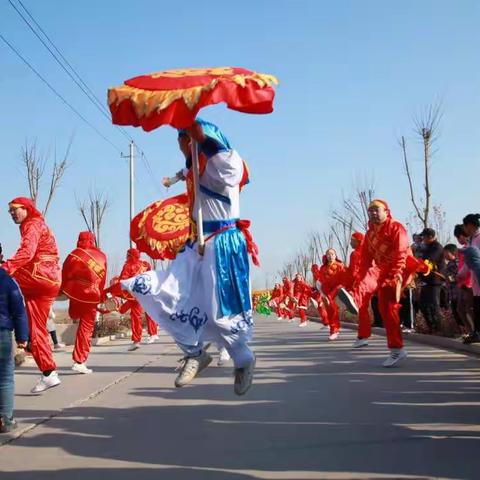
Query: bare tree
{"x": 93, "y": 210}
{"x": 426, "y": 128}
{"x": 342, "y": 232}
{"x": 287, "y": 270}
{"x": 440, "y": 225}
{"x": 354, "y": 208}
{"x": 35, "y": 164}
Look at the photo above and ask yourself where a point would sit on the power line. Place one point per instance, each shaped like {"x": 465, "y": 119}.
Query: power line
{"x": 69, "y": 105}
{"x": 80, "y": 82}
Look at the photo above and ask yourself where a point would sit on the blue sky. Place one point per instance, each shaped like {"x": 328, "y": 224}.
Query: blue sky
{"x": 352, "y": 73}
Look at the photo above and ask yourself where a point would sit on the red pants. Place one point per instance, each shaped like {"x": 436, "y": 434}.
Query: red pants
{"x": 37, "y": 312}
{"x": 362, "y": 295}
{"x": 290, "y": 310}
{"x": 323, "y": 313}
{"x": 302, "y": 308}
{"x": 152, "y": 326}
{"x": 135, "y": 318}
{"x": 389, "y": 311}
{"x": 333, "y": 316}
{"x": 136, "y": 321}
{"x": 86, "y": 317}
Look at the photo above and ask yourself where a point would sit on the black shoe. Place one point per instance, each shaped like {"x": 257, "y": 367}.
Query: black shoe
{"x": 348, "y": 301}
{"x": 7, "y": 425}
{"x": 473, "y": 337}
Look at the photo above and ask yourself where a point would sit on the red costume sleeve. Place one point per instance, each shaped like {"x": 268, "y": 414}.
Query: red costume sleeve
{"x": 31, "y": 233}
{"x": 355, "y": 262}
{"x": 129, "y": 270}
{"x": 399, "y": 251}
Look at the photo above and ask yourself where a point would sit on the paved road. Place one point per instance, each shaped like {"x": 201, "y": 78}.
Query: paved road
{"x": 318, "y": 410}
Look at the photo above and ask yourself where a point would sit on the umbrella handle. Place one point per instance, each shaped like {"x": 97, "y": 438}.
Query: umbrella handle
{"x": 197, "y": 205}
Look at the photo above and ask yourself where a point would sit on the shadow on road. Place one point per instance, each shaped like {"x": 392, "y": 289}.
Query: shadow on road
{"x": 316, "y": 408}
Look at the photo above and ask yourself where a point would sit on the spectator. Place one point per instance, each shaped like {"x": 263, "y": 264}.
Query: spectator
{"x": 52, "y": 330}
{"x": 464, "y": 285}
{"x": 12, "y": 317}
{"x": 471, "y": 225}
{"x": 417, "y": 245}
{"x": 450, "y": 253}
{"x": 431, "y": 283}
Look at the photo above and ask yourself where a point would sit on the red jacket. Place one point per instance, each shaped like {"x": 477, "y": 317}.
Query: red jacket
{"x": 331, "y": 276}
{"x": 300, "y": 288}
{"x": 84, "y": 271}
{"x": 277, "y": 294}
{"x": 287, "y": 289}
{"x": 133, "y": 265}
{"x": 351, "y": 272}
{"x": 387, "y": 245}
{"x": 35, "y": 264}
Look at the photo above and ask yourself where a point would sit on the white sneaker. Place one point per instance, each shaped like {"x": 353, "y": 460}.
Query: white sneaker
{"x": 334, "y": 336}
{"x": 152, "y": 339}
{"x": 224, "y": 357}
{"x": 190, "y": 367}
{"x": 134, "y": 346}
{"x": 279, "y": 318}
{"x": 290, "y": 320}
{"x": 347, "y": 300}
{"x": 360, "y": 342}
{"x": 59, "y": 347}
{"x": 81, "y": 368}
{"x": 396, "y": 356}
{"x": 46, "y": 382}
{"x": 303, "y": 324}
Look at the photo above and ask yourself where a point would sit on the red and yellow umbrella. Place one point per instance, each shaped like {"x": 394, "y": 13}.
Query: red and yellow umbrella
{"x": 174, "y": 97}
{"x": 163, "y": 228}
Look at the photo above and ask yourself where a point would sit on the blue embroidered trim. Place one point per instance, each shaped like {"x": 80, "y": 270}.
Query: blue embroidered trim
{"x": 210, "y": 226}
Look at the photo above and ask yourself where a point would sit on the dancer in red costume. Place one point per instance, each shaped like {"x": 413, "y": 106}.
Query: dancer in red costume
{"x": 35, "y": 268}
{"x": 134, "y": 266}
{"x": 83, "y": 280}
{"x": 301, "y": 294}
{"x": 317, "y": 297}
{"x": 364, "y": 291}
{"x": 288, "y": 302}
{"x": 330, "y": 275}
{"x": 386, "y": 243}
{"x": 276, "y": 300}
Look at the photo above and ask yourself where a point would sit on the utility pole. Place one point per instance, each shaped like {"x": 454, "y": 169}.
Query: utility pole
{"x": 131, "y": 157}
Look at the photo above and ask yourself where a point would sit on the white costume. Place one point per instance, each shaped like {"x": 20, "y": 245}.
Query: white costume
{"x": 207, "y": 297}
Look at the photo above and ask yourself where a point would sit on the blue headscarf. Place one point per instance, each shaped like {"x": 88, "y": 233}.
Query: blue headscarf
{"x": 211, "y": 131}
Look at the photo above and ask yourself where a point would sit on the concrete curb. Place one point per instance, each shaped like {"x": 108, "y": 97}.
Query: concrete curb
{"x": 433, "y": 340}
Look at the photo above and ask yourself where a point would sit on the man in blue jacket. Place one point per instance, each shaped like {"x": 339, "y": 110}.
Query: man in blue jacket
{"x": 12, "y": 318}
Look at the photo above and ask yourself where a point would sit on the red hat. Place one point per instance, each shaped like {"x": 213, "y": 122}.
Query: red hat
{"x": 28, "y": 204}
{"x": 86, "y": 240}
{"x": 358, "y": 236}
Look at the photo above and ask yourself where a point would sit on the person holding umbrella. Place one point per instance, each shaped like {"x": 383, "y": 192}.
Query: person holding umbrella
{"x": 206, "y": 295}
{"x": 205, "y": 292}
